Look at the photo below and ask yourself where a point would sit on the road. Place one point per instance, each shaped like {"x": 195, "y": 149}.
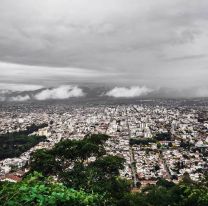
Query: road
{"x": 131, "y": 152}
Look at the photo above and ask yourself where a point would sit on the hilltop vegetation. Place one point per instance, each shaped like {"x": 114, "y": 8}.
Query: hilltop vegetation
{"x": 39, "y": 190}
{"x": 80, "y": 181}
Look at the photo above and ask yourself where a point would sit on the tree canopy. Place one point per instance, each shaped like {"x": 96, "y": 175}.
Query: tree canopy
{"x": 41, "y": 191}
{"x": 79, "y": 172}
{"x": 15, "y": 143}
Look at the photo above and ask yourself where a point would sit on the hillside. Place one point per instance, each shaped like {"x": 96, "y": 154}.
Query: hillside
{"x": 68, "y": 175}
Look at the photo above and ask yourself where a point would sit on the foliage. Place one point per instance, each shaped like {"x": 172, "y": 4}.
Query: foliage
{"x": 185, "y": 144}
{"x": 139, "y": 141}
{"x": 87, "y": 176}
{"x": 67, "y": 153}
{"x": 14, "y": 144}
{"x": 39, "y": 191}
{"x": 163, "y": 136}
{"x": 44, "y": 161}
{"x": 70, "y": 161}
{"x": 166, "y": 193}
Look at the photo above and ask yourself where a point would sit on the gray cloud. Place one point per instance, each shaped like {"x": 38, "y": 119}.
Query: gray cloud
{"x": 201, "y": 92}
{"x": 2, "y": 99}
{"x": 62, "y": 92}
{"x": 8, "y": 87}
{"x": 190, "y": 57}
{"x": 134, "y": 91}
{"x": 159, "y": 43}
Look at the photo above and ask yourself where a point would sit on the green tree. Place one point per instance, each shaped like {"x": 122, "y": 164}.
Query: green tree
{"x": 44, "y": 161}
{"x": 81, "y": 181}
{"x": 69, "y": 161}
{"x": 39, "y": 191}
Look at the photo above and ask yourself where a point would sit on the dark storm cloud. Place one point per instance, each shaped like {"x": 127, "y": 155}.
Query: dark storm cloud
{"x": 159, "y": 43}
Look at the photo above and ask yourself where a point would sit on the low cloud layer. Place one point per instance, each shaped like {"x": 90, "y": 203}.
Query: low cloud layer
{"x": 19, "y": 98}
{"x": 134, "y": 91}
{"x": 62, "y": 92}
{"x": 22, "y": 93}
{"x": 28, "y": 92}
{"x": 7, "y": 87}
{"x": 202, "y": 92}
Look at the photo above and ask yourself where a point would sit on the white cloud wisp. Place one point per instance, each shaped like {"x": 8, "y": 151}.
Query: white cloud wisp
{"x": 134, "y": 91}
{"x": 62, "y": 92}
{"x": 19, "y": 98}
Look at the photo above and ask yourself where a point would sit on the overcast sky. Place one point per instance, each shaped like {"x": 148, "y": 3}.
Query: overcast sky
{"x": 152, "y": 43}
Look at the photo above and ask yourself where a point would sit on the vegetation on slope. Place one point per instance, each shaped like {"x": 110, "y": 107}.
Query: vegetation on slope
{"x": 93, "y": 182}
{"x": 39, "y": 190}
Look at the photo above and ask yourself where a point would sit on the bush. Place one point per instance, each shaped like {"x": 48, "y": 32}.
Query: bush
{"x": 39, "y": 191}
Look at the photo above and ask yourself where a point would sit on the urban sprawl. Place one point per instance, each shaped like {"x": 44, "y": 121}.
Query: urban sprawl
{"x": 157, "y": 141}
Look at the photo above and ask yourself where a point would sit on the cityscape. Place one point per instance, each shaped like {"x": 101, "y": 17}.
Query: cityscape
{"x": 103, "y": 103}
{"x": 156, "y": 140}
